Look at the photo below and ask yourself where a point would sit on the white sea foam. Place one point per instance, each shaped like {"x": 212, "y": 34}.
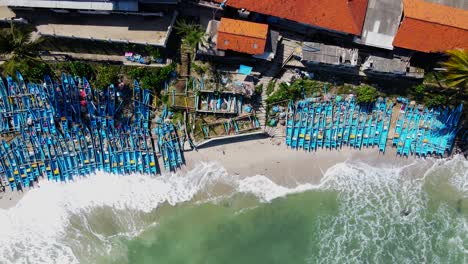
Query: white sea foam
{"x": 385, "y": 217}
{"x": 267, "y": 190}
{"x": 30, "y": 232}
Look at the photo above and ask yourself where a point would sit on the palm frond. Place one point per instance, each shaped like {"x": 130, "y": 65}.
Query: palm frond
{"x": 456, "y": 66}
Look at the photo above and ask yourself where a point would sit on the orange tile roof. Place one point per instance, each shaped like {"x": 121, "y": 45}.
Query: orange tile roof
{"x": 339, "y": 15}
{"x": 436, "y": 13}
{"x": 243, "y": 28}
{"x": 242, "y": 36}
{"x": 429, "y": 27}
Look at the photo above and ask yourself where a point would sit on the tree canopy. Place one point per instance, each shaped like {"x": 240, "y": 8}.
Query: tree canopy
{"x": 456, "y": 66}
{"x": 22, "y": 51}
{"x": 366, "y": 94}
{"x": 152, "y": 78}
{"x": 191, "y": 33}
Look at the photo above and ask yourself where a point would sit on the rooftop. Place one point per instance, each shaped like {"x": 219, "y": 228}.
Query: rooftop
{"x": 463, "y": 4}
{"x": 115, "y": 28}
{"x": 242, "y": 36}
{"x": 436, "y": 13}
{"x": 209, "y": 48}
{"x": 313, "y": 52}
{"x": 243, "y": 28}
{"x": 345, "y": 16}
{"x": 430, "y": 27}
{"x": 121, "y": 5}
{"x": 381, "y": 24}
{"x": 398, "y": 65}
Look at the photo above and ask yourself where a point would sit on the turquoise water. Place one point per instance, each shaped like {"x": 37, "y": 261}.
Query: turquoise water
{"x": 409, "y": 214}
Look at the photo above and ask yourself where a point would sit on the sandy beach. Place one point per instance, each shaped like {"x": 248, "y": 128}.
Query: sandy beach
{"x": 284, "y": 166}
{"x": 264, "y": 156}
{"x": 9, "y": 199}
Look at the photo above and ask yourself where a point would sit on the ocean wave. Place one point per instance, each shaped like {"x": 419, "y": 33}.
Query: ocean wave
{"x": 386, "y": 215}
{"x": 377, "y": 205}
{"x": 31, "y": 231}
{"x": 267, "y": 190}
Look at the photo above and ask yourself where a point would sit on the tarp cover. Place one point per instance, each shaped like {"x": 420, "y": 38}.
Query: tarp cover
{"x": 245, "y": 70}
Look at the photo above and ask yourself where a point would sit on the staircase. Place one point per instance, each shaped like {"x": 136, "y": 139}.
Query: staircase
{"x": 262, "y": 112}
{"x": 185, "y": 60}
{"x": 283, "y": 55}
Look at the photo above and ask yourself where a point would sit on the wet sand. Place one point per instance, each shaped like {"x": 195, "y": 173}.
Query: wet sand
{"x": 9, "y": 199}
{"x": 284, "y": 166}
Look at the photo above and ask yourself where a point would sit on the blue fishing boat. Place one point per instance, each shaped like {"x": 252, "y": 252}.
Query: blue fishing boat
{"x": 152, "y": 153}
{"x": 289, "y": 123}
{"x": 328, "y": 126}
{"x": 303, "y": 125}
{"x": 399, "y": 124}
{"x": 342, "y": 124}
{"x": 349, "y": 123}
{"x": 309, "y": 129}
{"x": 297, "y": 126}
{"x": 354, "y": 127}
{"x": 316, "y": 126}
{"x": 176, "y": 144}
{"x": 105, "y": 150}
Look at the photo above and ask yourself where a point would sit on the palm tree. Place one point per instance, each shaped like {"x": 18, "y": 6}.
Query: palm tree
{"x": 192, "y": 34}
{"x": 17, "y": 46}
{"x": 456, "y": 66}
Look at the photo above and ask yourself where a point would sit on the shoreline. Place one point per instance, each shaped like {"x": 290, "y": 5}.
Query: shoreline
{"x": 285, "y": 166}
{"x": 266, "y": 157}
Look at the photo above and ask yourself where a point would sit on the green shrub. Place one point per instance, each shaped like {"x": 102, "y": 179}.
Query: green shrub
{"x": 366, "y": 94}
{"x": 106, "y": 75}
{"x": 418, "y": 91}
{"x": 259, "y": 89}
{"x": 285, "y": 92}
{"x": 310, "y": 87}
{"x": 345, "y": 89}
{"x": 295, "y": 91}
{"x": 270, "y": 87}
{"x": 151, "y": 77}
{"x": 200, "y": 69}
{"x": 137, "y": 72}
{"x": 435, "y": 100}
{"x": 81, "y": 69}
{"x": 35, "y": 72}
{"x": 153, "y": 51}
{"x": 165, "y": 98}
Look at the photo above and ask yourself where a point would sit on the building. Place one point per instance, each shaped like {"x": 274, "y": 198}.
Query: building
{"x": 239, "y": 38}
{"x": 381, "y": 23}
{"x": 242, "y": 36}
{"x": 382, "y": 65}
{"x": 417, "y": 25}
{"x": 339, "y": 16}
{"x": 334, "y": 58}
{"x": 356, "y": 62}
{"x": 145, "y": 22}
{"x": 96, "y": 5}
{"x": 432, "y": 28}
